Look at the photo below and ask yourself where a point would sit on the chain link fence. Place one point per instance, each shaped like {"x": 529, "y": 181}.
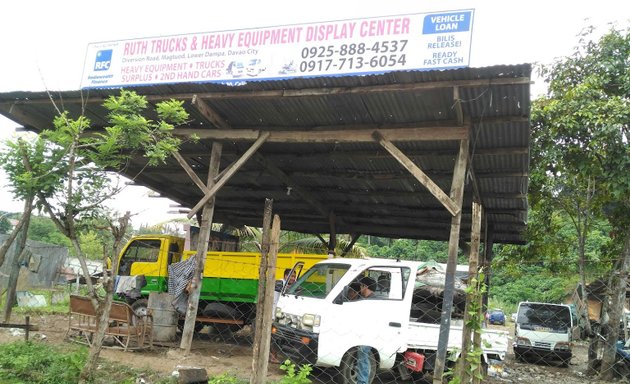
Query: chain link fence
{"x": 572, "y": 335}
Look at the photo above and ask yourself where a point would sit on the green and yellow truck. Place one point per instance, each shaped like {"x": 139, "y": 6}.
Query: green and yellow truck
{"x": 229, "y": 289}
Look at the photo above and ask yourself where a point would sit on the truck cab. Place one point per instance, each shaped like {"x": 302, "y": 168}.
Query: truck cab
{"x": 150, "y": 256}
{"x": 544, "y": 331}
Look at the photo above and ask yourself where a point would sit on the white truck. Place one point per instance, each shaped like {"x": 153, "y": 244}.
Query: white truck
{"x": 316, "y": 323}
{"x": 544, "y": 332}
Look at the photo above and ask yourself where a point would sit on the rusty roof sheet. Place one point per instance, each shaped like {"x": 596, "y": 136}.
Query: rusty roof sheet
{"x": 368, "y": 190}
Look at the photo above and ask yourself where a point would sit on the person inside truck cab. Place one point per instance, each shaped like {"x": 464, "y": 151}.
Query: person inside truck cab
{"x": 368, "y": 286}
{"x": 353, "y": 291}
{"x": 287, "y": 281}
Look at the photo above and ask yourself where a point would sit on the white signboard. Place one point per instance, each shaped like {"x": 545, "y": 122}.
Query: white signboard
{"x": 360, "y": 46}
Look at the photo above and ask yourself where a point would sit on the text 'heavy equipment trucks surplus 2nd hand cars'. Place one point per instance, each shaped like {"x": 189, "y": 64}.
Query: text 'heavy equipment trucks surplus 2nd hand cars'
{"x": 229, "y": 288}
{"x": 316, "y": 322}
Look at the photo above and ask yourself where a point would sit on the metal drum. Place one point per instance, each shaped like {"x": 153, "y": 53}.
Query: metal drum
{"x": 165, "y": 316}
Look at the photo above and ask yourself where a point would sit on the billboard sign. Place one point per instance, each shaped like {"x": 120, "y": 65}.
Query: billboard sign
{"x": 423, "y": 41}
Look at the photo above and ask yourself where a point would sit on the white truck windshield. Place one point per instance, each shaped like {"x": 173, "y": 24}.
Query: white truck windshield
{"x": 318, "y": 281}
{"x": 542, "y": 316}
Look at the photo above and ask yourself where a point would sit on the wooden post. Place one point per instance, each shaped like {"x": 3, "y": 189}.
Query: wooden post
{"x": 262, "y": 278}
{"x": 332, "y": 242}
{"x": 480, "y": 311}
{"x": 202, "y": 249}
{"x": 27, "y": 328}
{"x": 264, "y": 317}
{"x": 473, "y": 268}
{"x": 457, "y": 196}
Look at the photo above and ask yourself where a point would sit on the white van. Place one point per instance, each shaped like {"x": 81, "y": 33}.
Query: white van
{"x": 544, "y": 332}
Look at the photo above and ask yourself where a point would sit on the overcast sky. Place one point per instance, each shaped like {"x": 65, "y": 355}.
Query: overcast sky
{"x": 44, "y": 42}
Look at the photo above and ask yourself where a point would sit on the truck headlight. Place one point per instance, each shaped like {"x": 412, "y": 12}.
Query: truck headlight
{"x": 523, "y": 341}
{"x": 279, "y": 314}
{"x": 562, "y": 346}
{"x": 311, "y": 320}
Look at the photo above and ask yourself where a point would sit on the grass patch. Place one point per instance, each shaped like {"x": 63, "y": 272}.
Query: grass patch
{"x": 38, "y": 363}
{"x": 30, "y": 363}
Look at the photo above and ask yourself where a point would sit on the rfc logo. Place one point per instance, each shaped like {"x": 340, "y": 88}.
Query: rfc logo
{"x": 103, "y": 60}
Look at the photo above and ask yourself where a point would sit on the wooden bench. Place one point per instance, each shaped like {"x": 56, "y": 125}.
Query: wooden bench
{"x": 127, "y": 330}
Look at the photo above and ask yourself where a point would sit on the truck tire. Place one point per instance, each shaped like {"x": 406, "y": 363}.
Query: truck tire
{"x": 348, "y": 369}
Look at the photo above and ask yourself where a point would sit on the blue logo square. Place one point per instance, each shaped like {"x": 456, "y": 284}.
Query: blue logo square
{"x": 103, "y": 60}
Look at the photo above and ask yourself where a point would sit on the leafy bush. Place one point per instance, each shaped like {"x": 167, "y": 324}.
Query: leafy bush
{"x": 33, "y": 363}
{"x": 295, "y": 376}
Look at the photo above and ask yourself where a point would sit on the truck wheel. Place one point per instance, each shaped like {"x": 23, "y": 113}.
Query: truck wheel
{"x": 348, "y": 369}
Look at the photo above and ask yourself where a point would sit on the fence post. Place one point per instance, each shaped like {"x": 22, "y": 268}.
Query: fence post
{"x": 264, "y": 306}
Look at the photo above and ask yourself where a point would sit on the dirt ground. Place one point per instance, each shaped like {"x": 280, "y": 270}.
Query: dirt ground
{"x": 545, "y": 372}
{"x": 235, "y": 357}
{"x": 209, "y": 352}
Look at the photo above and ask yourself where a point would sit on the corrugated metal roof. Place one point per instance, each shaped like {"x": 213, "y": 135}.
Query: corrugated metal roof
{"x": 366, "y": 188}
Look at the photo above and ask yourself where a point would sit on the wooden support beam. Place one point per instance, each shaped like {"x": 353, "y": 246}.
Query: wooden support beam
{"x": 215, "y": 188}
{"x": 350, "y": 153}
{"x": 459, "y": 172}
{"x": 328, "y": 136}
{"x": 324, "y": 242}
{"x": 457, "y": 106}
{"x": 417, "y": 173}
{"x": 190, "y": 172}
{"x": 353, "y": 240}
{"x": 209, "y": 114}
{"x": 332, "y": 242}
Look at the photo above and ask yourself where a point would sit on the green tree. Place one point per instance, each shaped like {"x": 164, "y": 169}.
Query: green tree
{"x": 580, "y": 132}
{"x": 43, "y": 229}
{"x": 408, "y": 249}
{"x": 92, "y": 245}
{"x": 29, "y": 175}
{"x": 5, "y": 224}
{"x": 79, "y": 164}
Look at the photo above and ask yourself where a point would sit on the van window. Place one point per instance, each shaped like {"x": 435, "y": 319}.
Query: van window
{"x": 389, "y": 282}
